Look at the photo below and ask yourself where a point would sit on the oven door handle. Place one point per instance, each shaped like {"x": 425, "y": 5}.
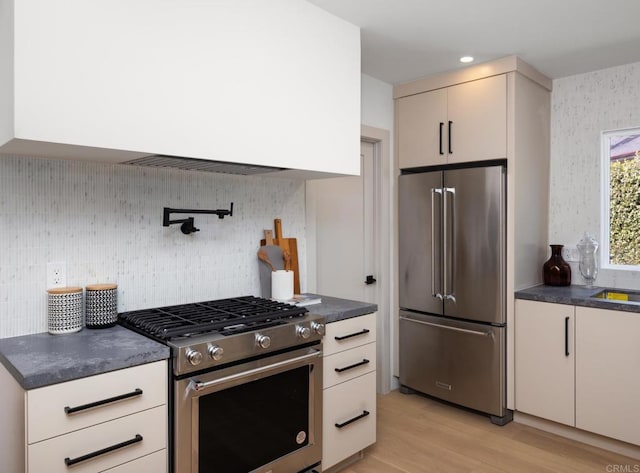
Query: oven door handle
{"x": 196, "y": 385}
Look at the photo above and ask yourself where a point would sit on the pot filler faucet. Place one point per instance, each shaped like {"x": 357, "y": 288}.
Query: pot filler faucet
{"x": 187, "y": 226}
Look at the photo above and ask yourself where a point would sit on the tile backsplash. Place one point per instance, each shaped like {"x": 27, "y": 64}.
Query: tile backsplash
{"x": 583, "y": 106}
{"x": 105, "y": 222}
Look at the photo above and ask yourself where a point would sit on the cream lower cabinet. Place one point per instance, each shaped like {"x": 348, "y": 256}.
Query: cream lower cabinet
{"x": 545, "y": 357}
{"x": 115, "y": 422}
{"x": 596, "y": 376}
{"x": 154, "y": 462}
{"x": 608, "y": 373}
{"x": 349, "y": 396}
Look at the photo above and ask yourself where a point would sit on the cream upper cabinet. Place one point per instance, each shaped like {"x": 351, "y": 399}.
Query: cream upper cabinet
{"x": 545, "y": 356}
{"x": 462, "y": 123}
{"x": 421, "y": 129}
{"x": 478, "y": 120}
{"x": 607, "y": 373}
{"x": 228, "y": 80}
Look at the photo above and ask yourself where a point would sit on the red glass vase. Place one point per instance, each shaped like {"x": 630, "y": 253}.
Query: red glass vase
{"x": 556, "y": 271}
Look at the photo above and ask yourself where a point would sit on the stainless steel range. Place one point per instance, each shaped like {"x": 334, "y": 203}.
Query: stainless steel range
{"x": 247, "y": 384}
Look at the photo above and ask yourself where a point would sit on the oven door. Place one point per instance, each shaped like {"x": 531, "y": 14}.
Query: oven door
{"x": 262, "y": 416}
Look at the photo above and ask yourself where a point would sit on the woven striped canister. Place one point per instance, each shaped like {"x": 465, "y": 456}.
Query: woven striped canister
{"x": 102, "y": 305}
{"x": 64, "y": 311}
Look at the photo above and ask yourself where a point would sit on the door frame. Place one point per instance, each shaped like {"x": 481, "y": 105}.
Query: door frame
{"x": 383, "y": 249}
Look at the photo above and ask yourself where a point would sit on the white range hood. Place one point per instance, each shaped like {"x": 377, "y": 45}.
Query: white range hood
{"x": 273, "y": 84}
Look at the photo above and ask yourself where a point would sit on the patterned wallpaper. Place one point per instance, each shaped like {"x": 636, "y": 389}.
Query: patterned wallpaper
{"x": 583, "y": 106}
{"x": 105, "y": 222}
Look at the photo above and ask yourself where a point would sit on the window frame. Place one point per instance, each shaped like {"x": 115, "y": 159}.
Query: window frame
{"x": 605, "y": 221}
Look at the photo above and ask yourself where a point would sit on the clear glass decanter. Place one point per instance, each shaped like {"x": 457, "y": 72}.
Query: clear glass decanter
{"x": 588, "y": 265}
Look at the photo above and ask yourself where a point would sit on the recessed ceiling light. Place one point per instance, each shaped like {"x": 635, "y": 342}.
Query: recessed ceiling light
{"x": 466, "y": 59}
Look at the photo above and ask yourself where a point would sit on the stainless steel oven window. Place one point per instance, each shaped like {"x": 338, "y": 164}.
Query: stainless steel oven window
{"x": 217, "y": 425}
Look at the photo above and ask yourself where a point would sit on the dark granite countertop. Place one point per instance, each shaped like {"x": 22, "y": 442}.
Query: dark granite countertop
{"x": 42, "y": 359}
{"x": 336, "y": 309}
{"x": 576, "y": 295}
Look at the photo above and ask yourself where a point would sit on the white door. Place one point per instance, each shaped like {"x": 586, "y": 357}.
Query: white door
{"x": 341, "y": 209}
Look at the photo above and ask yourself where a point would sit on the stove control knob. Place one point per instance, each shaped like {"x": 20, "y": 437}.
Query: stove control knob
{"x": 194, "y": 357}
{"x": 263, "y": 341}
{"x": 303, "y": 332}
{"x": 216, "y": 352}
{"x": 317, "y": 328}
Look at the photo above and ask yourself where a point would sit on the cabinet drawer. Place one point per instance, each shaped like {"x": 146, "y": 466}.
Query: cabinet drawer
{"x": 348, "y": 364}
{"x": 154, "y": 463}
{"x": 49, "y": 455}
{"x": 342, "y": 403}
{"x": 46, "y": 406}
{"x": 431, "y": 363}
{"x": 349, "y": 333}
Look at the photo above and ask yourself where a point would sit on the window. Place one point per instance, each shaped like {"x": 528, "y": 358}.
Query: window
{"x": 621, "y": 199}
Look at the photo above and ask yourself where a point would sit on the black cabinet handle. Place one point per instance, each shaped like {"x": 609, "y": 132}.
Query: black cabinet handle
{"x": 566, "y": 336}
{"x": 350, "y": 367}
{"x": 450, "y": 150}
{"x": 84, "y": 407}
{"x": 344, "y": 337}
{"x": 361, "y": 416}
{"x": 440, "y": 139}
{"x": 72, "y": 461}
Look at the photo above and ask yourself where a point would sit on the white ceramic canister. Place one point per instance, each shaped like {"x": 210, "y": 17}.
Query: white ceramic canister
{"x": 101, "y": 305}
{"x": 64, "y": 310}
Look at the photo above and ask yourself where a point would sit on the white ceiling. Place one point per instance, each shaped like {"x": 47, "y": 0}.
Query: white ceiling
{"x": 403, "y": 40}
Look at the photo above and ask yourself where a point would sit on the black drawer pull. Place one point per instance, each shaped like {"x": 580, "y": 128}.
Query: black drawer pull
{"x": 344, "y": 337}
{"x": 84, "y": 407}
{"x": 72, "y": 461}
{"x": 363, "y": 362}
{"x": 361, "y": 416}
{"x": 566, "y": 336}
{"x": 440, "y": 138}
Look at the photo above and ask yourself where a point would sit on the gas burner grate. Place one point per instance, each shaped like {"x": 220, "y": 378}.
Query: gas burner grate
{"x": 224, "y": 316}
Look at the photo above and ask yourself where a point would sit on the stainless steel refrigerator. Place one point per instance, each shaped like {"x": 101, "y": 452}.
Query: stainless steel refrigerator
{"x": 452, "y": 267}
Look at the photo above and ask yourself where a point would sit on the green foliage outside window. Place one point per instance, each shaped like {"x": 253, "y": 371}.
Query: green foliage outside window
{"x": 624, "y": 212}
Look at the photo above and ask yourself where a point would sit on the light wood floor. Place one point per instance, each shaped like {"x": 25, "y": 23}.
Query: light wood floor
{"x": 417, "y": 434}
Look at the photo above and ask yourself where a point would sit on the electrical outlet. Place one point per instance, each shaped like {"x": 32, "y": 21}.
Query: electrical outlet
{"x": 56, "y": 274}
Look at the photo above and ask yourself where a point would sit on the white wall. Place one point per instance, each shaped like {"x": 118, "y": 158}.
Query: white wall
{"x": 105, "y": 221}
{"x": 582, "y": 107}
{"x": 376, "y": 106}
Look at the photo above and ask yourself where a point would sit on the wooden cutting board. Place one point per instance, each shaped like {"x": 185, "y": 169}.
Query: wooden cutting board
{"x": 289, "y": 245}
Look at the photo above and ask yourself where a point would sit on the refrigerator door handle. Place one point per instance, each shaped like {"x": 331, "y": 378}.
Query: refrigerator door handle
{"x": 455, "y": 329}
{"x": 435, "y": 294}
{"x": 449, "y": 250}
